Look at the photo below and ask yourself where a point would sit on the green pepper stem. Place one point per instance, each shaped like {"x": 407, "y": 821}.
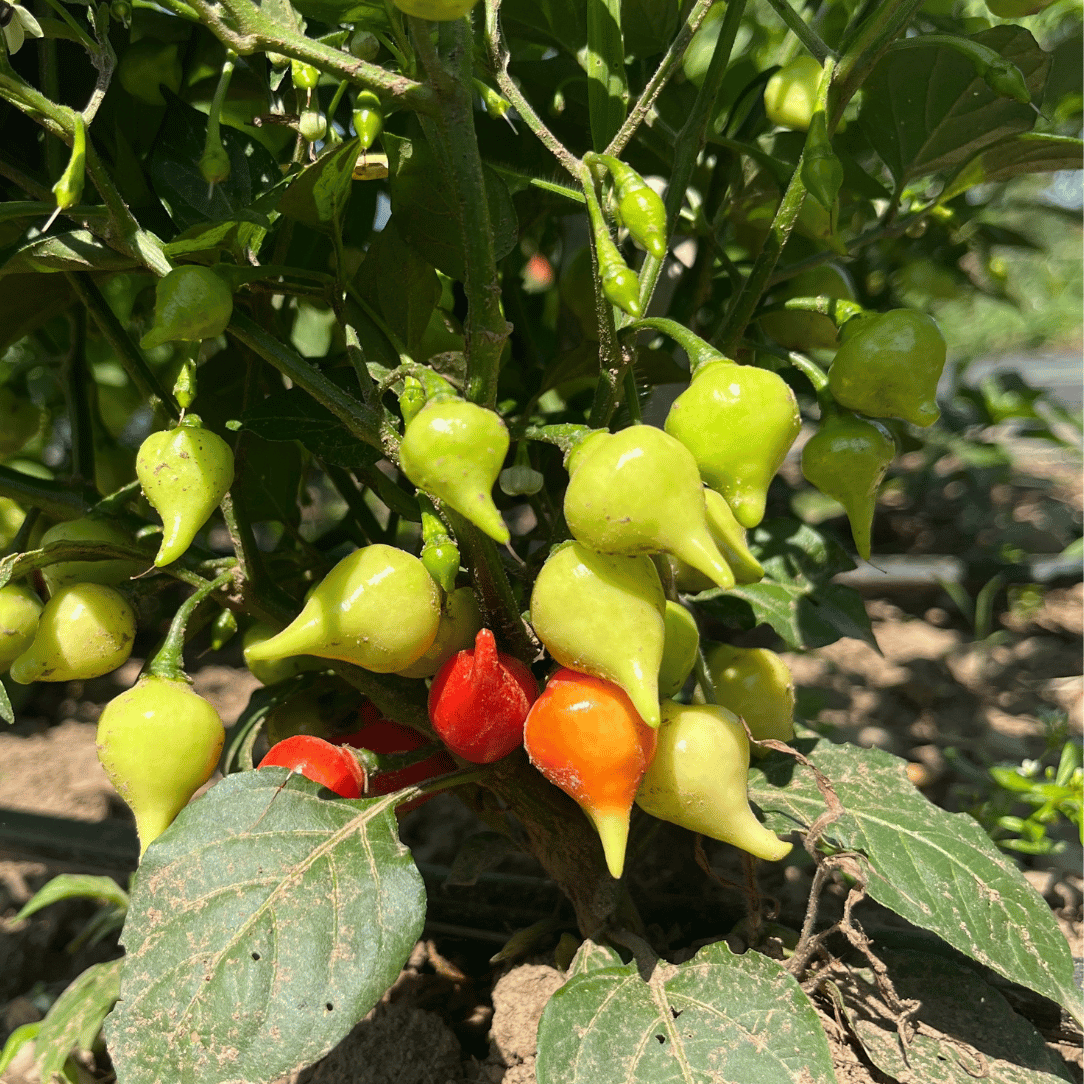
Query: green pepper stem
{"x": 1001, "y": 75}
{"x": 168, "y": 660}
{"x": 700, "y": 353}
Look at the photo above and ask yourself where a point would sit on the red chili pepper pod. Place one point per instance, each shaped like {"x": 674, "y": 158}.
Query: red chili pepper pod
{"x": 479, "y": 701}
{"x": 380, "y": 735}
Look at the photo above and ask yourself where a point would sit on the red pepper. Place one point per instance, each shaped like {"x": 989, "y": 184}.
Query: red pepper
{"x": 380, "y": 735}
{"x": 331, "y": 766}
{"x": 479, "y": 700}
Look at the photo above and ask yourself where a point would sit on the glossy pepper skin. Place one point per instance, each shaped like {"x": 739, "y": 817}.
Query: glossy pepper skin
{"x": 380, "y": 735}
{"x": 584, "y": 735}
{"x": 331, "y": 766}
{"x": 889, "y": 367}
{"x": 847, "y": 459}
{"x": 159, "y": 742}
{"x": 377, "y": 608}
{"x": 20, "y": 609}
{"x": 730, "y": 537}
{"x": 368, "y": 118}
{"x": 460, "y": 621}
{"x": 190, "y": 303}
{"x": 620, "y": 283}
{"x": 88, "y": 529}
{"x": 269, "y": 672}
{"x": 479, "y": 700}
{"x": 639, "y": 207}
{"x": 604, "y": 615}
{"x": 455, "y": 450}
{"x": 639, "y": 491}
{"x": 790, "y": 95}
{"x": 738, "y": 422}
{"x": 756, "y": 684}
{"x": 85, "y": 630}
{"x": 185, "y": 472}
{"x": 698, "y": 779}
{"x": 679, "y": 649}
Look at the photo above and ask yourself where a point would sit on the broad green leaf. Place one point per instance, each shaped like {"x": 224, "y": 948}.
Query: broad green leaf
{"x": 77, "y": 250}
{"x": 971, "y": 1030}
{"x": 1030, "y": 152}
{"x": 591, "y": 956}
{"x": 294, "y": 415}
{"x": 268, "y": 479}
{"x": 76, "y": 1016}
{"x": 926, "y": 110}
{"x": 318, "y": 195}
{"x": 561, "y": 23}
{"x": 264, "y": 923}
{"x": 938, "y": 870}
{"x": 178, "y": 183}
{"x": 425, "y": 212}
{"x": 794, "y": 552}
{"x": 21, "y": 564}
{"x": 604, "y": 62}
{"x": 236, "y": 236}
{"x": 719, "y": 1017}
{"x": 75, "y": 886}
{"x": 648, "y": 25}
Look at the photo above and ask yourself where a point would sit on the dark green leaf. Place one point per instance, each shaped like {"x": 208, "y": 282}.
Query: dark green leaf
{"x": 76, "y": 1016}
{"x": 264, "y": 923}
{"x": 52, "y": 294}
{"x": 562, "y": 23}
{"x": 294, "y": 415}
{"x": 648, "y": 25}
{"x": 793, "y": 552}
{"x": 718, "y": 1017}
{"x": 938, "y": 870}
{"x": 268, "y": 480}
{"x": 425, "y": 212}
{"x": 925, "y": 110}
{"x": 78, "y": 250}
{"x": 604, "y": 62}
{"x": 1030, "y": 152}
{"x": 178, "y": 183}
{"x": 318, "y": 195}
{"x": 75, "y": 886}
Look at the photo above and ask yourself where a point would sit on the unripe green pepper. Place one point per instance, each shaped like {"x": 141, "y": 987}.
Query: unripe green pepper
{"x": 312, "y": 126}
{"x": 790, "y": 95}
{"x": 679, "y": 649}
{"x": 271, "y": 672}
{"x": 439, "y": 554}
{"x": 159, "y": 742}
{"x": 377, "y": 608}
{"x": 368, "y": 118}
{"x": 620, "y": 283}
{"x": 754, "y": 683}
{"x": 890, "y": 366}
{"x": 730, "y": 537}
{"x": 304, "y": 76}
{"x": 20, "y": 609}
{"x": 455, "y": 450}
{"x": 639, "y": 207}
{"x": 739, "y": 422}
{"x": 604, "y": 615}
{"x": 68, "y": 190}
{"x": 185, "y": 472}
{"x": 190, "y": 303}
{"x": 822, "y": 173}
{"x": 84, "y": 631}
{"x": 639, "y": 491}
{"x": 847, "y": 459}
{"x": 699, "y": 779}
{"x": 20, "y": 420}
{"x": 460, "y": 621}
{"x": 89, "y": 529}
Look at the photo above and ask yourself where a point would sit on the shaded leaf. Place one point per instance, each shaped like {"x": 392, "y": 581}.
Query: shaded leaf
{"x": 718, "y": 1017}
{"x": 1030, "y": 152}
{"x": 648, "y": 25}
{"x": 264, "y": 923}
{"x": 925, "y": 110}
{"x": 77, "y": 250}
{"x": 318, "y": 195}
{"x": 75, "y": 1018}
{"x": 938, "y": 870}
{"x": 52, "y": 294}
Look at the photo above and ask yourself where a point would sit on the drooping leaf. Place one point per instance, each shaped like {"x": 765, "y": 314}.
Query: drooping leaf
{"x": 718, "y": 1017}
{"x": 77, "y": 250}
{"x": 318, "y": 195}
{"x": 68, "y": 886}
{"x": 938, "y": 870}
{"x": 264, "y": 923}
{"x": 925, "y": 110}
{"x": 1029, "y": 152}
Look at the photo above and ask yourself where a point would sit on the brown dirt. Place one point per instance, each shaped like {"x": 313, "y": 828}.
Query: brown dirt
{"x": 934, "y": 697}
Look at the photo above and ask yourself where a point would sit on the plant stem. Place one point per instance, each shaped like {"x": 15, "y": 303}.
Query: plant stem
{"x": 168, "y": 661}
{"x": 801, "y": 29}
{"x": 76, "y": 391}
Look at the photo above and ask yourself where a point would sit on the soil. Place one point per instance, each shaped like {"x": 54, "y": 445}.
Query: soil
{"x": 948, "y": 705}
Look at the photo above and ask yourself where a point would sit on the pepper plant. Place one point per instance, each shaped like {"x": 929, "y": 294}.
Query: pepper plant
{"x": 460, "y": 343}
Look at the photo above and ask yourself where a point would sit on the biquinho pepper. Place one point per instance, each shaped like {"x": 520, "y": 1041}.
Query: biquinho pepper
{"x": 639, "y": 491}
{"x": 20, "y": 610}
{"x": 790, "y": 95}
{"x": 272, "y": 672}
{"x": 368, "y": 118}
{"x": 604, "y": 615}
{"x": 754, "y": 683}
{"x": 730, "y": 537}
{"x": 331, "y": 766}
{"x": 738, "y": 422}
{"x": 847, "y": 459}
{"x": 185, "y": 472}
{"x": 159, "y": 742}
{"x": 377, "y": 608}
{"x": 439, "y": 554}
{"x": 584, "y": 735}
{"x": 460, "y": 622}
{"x": 190, "y": 303}
{"x": 620, "y": 283}
{"x": 890, "y": 366}
{"x": 379, "y": 735}
{"x": 89, "y": 529}
{"x": 455, "y": 450}
{"x": 479, "y": 700}
{"x": 699, "y": 777}
{"x": 679, "y": 650}
{"x": 640, "y": 208}
{"x": 85, "y": 630}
